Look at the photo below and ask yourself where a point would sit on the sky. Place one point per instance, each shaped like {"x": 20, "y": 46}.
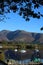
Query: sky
{"x": 16, "y": 22}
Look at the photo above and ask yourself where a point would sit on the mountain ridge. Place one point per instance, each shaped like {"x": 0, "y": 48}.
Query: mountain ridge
{"x": 21, "y": 35}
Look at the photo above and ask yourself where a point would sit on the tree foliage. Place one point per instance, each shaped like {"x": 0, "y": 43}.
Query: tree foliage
{"x": 25, "y": 8}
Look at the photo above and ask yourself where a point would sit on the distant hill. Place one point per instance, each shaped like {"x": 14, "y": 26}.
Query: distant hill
{"x": 20, "y": 35}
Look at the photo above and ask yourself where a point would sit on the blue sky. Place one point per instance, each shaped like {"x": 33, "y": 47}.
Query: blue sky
{"x": 16, "y": 22}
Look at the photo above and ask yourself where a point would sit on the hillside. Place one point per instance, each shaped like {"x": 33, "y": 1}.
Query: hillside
{"x": 20, "y": 35}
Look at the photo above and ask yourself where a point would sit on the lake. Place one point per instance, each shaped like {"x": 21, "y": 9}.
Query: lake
{"x": 18, "y": 56}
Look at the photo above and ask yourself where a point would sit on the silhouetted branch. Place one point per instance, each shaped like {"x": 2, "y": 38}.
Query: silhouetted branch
{"x": 24, "y": 7}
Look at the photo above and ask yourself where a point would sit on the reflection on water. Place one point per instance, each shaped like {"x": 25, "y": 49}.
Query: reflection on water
{"x": 24, "y": 61}
{"x": 42, "y": 60}
{"x": 18, "y": 57}
{"x": 27, "y": 61}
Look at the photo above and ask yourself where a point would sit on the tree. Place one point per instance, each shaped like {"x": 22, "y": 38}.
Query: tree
{"x": 4, "y": 42}
{"x": 2, "y": 56}
{"x": 41, "y": 28}
{"x": 25, "y": 8}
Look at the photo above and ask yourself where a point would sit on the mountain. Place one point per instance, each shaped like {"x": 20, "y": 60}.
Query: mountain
{"x": 20, "y": 35}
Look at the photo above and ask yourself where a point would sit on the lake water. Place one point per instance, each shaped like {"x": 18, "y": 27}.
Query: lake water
{"x": 11, "y": 55}
{"x": 27, "y": 61}
{"x": 24, "y": 61}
